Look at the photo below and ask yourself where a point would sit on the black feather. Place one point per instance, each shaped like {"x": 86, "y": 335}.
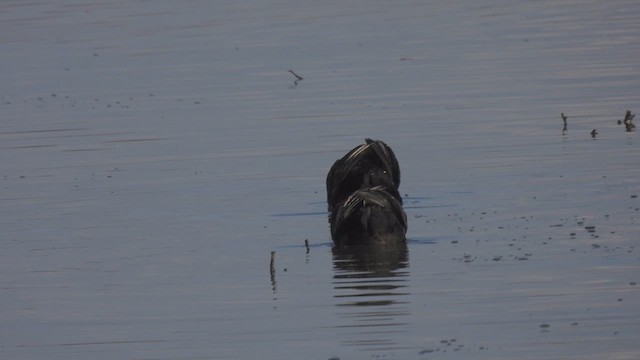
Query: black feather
{"x": 366, "y": 165}
{"x": 370, "y": 215}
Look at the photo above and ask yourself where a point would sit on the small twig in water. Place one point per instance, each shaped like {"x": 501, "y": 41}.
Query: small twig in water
{"x": 272, "y": 263}
{"x": 564, "y": 119}
{"x": 298, "y": 77}
{"x": 272, "y": 271}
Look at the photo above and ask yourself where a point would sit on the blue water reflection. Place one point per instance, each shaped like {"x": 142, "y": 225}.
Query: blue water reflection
{"x": 371, "y": 293}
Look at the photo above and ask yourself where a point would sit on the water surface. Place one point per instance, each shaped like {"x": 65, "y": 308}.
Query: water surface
{"x": 155, "y": 153}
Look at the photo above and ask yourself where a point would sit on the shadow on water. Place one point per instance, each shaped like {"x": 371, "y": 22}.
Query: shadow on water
{"x": 371, "y": 294}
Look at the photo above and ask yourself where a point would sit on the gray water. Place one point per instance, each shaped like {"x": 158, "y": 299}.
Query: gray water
{"x": 154, "y": 154}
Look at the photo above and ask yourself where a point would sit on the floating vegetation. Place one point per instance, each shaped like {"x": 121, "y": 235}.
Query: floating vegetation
{"x": 628, "y": 121}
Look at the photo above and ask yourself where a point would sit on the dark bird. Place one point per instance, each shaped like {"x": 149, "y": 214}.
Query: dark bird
{"x": 594, "y": 133}
{"x": 369, "y": 216}
{"x": 367, "y": 165}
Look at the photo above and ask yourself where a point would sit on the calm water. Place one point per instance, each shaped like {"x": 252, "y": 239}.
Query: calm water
{"x": 153, "y": 154}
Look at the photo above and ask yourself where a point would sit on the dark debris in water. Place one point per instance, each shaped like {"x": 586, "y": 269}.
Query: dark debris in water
{"x": 627, "y": 121}
{"x": 520, "y": 233}
{"x": 447, "y": 345}
{"x": 469, "y": 258}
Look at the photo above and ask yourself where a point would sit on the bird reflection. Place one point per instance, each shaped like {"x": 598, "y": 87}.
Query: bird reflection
{"x": 371, "y": 293}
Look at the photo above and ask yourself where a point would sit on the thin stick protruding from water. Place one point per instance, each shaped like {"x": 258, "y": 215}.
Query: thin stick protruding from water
{"x": 272, "y": 264}
{"x": 298, "y": 77}
{"x": 272, "y": 271}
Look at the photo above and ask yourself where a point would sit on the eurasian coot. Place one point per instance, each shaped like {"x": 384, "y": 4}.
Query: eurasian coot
{"x": 365, "y": 206}
{"x": 367, "y": 165}
{"x": 368, "y": 216}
